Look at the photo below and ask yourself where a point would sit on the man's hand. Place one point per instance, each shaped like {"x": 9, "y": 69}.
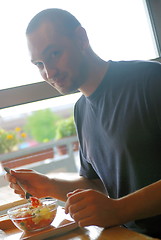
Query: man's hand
{"x": 40, "y": 185}
{"x": 36, "y": 184}
{"x": 90, "y": 207}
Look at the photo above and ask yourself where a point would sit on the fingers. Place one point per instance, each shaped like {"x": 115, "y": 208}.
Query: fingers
{"x": 20, "y": 173}
{"x": 31, "y": 181}
{"x": 10, "y": 178}
{"x": 88, "y": 207}
{"x": 74, "y": 208}
{"x": 85, "y": 221}
{"x": 74, "y": 192}
{"x": 17, "y": 189}
{"x": 70, "y": 201}
{"x": 79, "y": 211}
{"x": 15, "y": 177}
{"x": 23, "y": 176}
{"x": 16, "y": 174}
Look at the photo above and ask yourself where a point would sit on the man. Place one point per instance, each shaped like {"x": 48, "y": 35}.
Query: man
{"x": 118, "y": 120}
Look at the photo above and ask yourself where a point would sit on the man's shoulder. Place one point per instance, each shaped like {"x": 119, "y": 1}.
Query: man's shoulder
{"x": 136, "y": 68}
{"x": 136, "y": 63}
{"x": 79, "y": 103}
{"x": 80, "y": 100}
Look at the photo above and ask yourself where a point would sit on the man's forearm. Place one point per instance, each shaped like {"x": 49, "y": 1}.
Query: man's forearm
{"x": 110, "y": 212}
{"x": 141, "y": 204}
{"x": 60, "y": 187}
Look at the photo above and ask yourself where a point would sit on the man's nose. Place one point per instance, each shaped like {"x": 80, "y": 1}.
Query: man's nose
{"x": 50, "y": 72}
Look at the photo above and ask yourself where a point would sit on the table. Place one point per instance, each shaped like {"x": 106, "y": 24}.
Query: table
{"x": 97, "y": 233}
{"x": 93, "y": 233}
{"x": 73, "y": 233}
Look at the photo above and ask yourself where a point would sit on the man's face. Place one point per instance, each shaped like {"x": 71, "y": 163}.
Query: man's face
{"x": 59, "y": 58}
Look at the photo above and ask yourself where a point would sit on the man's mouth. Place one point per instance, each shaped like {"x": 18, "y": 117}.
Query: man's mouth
{"x": 57, "y": 81}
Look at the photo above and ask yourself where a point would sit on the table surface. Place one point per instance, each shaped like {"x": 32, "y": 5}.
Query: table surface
{"x": 96, "y": 233}
{"x": 92, "y": 233}
{"x": 87, "y": 233}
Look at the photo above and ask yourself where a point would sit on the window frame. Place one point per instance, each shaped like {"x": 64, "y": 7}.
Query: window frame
{"x": 39, "y": 91}
{"x": 26, "y": 94}
{"x": 154, "y": 9}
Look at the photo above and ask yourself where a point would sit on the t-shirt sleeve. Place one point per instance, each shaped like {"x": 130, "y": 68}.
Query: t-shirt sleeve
{"x": 86, "y": 169}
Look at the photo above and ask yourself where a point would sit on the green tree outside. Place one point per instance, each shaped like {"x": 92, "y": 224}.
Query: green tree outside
{"x": 41, "y": 125}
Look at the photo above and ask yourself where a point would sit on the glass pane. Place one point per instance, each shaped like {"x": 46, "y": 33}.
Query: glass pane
{"x": 38, "y": 151}
{"x": 113, "y": 28}
{"x": 114, "y": 32}
{"x": 30, "y": 124}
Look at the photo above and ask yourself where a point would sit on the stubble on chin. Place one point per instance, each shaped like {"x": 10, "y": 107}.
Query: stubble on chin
{"x": 64, "y": 91}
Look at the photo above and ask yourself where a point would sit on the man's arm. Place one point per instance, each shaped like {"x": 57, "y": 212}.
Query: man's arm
{"x": 143, "y": 203}
{"x": 90, "y": 207}
{"x": 40, "y": 185}
{"x": 62, "y": 187}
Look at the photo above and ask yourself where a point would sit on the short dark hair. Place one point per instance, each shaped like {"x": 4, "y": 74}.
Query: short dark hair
{"x": 65, "y": 21}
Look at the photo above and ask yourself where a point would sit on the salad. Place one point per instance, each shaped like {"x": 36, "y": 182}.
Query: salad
{"x": 36, "y": 215}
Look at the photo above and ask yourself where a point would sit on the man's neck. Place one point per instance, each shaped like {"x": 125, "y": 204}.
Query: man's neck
{"x": 97, "y": 71}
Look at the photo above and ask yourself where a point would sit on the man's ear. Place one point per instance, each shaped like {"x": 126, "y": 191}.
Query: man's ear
{"x": 82, "y": 38}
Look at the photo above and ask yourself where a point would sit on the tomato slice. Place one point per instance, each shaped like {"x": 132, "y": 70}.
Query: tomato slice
{"x": 35, "y": 202}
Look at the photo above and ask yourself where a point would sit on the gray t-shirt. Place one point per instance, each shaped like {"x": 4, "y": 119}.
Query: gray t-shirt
{"x": 119, "y": 129}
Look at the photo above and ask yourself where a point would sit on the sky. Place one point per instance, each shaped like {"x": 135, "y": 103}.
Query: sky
{"x": 114, "y": 33}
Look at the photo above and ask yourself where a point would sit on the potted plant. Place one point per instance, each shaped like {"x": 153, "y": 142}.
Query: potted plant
{"x": 66, "y": 128}
{"x": 10, "y": 139}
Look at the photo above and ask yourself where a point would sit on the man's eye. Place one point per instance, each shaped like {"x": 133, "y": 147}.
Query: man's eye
{"x": 39, "y": 65}
{"x": 55, "y": 53}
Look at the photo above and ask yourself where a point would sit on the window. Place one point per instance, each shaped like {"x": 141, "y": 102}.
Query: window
{"x": 117, "y": 30}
